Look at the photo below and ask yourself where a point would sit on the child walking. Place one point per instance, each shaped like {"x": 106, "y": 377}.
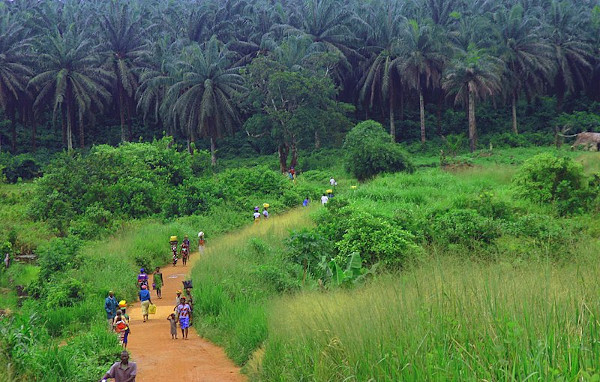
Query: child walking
{"x": 173, "y": 321}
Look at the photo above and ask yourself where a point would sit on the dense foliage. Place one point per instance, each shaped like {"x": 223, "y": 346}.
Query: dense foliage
{"x": 369, "y": 152}
{"x": 287, "y": 75}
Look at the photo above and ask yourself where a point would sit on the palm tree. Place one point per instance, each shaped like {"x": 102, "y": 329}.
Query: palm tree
{"x": 573, "y": 54}
{"x": 70, "y": 80}
{"x": 156, "y": 78}
{"x": 327, "y": 24}
{"x": 422, "y": 55}
{"x": 122, "y": 47}
{"x": 200, "y": 101}
{"x": 381, "y": 78}
{"x": 471, "y": 76}
{"x": 15, "y": 69}
{"x": 527, "y": 56}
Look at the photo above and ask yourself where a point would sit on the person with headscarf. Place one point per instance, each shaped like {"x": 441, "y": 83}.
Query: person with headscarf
{"x": 145, "y": 300}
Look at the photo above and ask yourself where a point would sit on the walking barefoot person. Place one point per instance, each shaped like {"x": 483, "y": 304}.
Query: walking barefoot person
{"x": 185, "y": 314}
{"x": 173, "y": 321}
{"x": 146, "y": 301}
{"x": 110, "y": 306}
{"x": 157, "y": 281}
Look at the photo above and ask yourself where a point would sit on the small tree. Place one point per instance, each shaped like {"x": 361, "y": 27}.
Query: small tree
{"x": 369, "y": 152}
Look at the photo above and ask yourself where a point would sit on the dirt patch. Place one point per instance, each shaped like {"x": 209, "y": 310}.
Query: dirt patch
{"x": 160, "y": 358}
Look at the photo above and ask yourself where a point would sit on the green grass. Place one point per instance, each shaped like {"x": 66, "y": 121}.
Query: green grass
{"x": 236, "y": 278}
{"x": 448, "y": 320}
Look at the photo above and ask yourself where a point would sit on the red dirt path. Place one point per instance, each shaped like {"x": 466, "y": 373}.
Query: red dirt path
{"x": 160, "y": 358}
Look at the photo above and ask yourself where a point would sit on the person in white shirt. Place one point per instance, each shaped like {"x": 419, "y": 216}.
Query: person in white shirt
{"x": 324, "y": 199}
{"x": 332, "y": 182}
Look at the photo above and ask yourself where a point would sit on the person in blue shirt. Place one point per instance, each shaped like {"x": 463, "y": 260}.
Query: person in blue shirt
{"x": 110, "y": 306}
{"x": 146, "y": 301}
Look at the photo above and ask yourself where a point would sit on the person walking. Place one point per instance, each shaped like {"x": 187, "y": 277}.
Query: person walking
{"x": 123, "y": 371}
{"x": 145, "y": 300}
{"x": 110, "y": 306}
{"x": 184, "y": 312}
{"x": 157, "y": 282}
{"x": 173, "y": 322}
{"x": 142, "y": 278}
{"x": 305, "y": 202}
{"x": 324, "y": 199}
{"x": 256, "y": 214}
{"x": 6, "y": 261}
{"x": 123, "y": 307}
{"x": 201, "y": 242}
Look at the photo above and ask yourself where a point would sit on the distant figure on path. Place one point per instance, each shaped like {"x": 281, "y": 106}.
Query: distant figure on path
{"x": 157, "y": 281}
{"x": 110, "y": 306}
{"x": 173, "y": 321}
{"x": 256, "y": 214}
{"x": 6, "y": 261}
{"x": 201, "y": 242}
{"x": 146, "y": 301}
{"x": 305, "y": 202}
{"x": 123, "y": 371}
{"x": 142, "y": 278}
{"x": 324, "y": 199}
{"x": 265, "y": 213}
{"x": 186, "y": 244}
{"x": 185, "y": 314}
{"x": 332, "y": 182}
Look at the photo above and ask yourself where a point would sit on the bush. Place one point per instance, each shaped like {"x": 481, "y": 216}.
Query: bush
{"x": 462, "y": 226}
{"x": 546, "y": 178}
{"x": 376, "y": 239}
{"x": 369, "y": 151}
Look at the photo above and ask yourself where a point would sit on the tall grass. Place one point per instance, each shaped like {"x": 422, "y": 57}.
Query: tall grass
{"x": 449, "y": 320}
{"x": 238, "y": 275}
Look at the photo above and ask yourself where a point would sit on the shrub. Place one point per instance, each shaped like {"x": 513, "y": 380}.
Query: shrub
{"x": 307, "y": 247}
{"x": 59, "y": 255}
{"x": 376, "y": 239}
{"x": 369, "y": 151}
{"x": 546, "y": 178}
{"x": 462, "y": 226}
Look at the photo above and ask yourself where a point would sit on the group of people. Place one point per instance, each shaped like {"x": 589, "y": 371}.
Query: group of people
{"x": 257, "y": 214}
{"x": 184, "y": 252}
{"x": 182, "y": 314}
{"x": 329, "y": 193}
{"x": 118, "y": 319}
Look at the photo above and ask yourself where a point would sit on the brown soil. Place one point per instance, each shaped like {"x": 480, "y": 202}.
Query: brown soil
{"x": 160, "y": 358}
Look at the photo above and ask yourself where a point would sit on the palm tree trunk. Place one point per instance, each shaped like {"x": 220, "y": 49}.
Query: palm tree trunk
{"x": 13, "y": 134}
{"x": 122, "y": 114}
{"x": 401, "y": 105}
{"x": 81, "y": 132}
{"x": 63, "y": 122}
{"x": 392, "y": 123}
{"x": 422, "y": 113}
{"x": 33, "y": 136}
{"x": 317, "y": 140}
{"x": 472, "y": 125}
{"x": 213, "y": 152}
{"x": 440, "y": 105}
{"x": 514, "y": 114}
{"x": 69, "y": 125}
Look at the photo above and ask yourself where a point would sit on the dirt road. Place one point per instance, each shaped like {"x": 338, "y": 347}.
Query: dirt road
{"x": 160, "y": 358}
